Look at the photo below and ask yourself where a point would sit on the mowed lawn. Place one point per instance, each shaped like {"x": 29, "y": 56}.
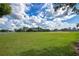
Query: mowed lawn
{"x": 38, "y": 43}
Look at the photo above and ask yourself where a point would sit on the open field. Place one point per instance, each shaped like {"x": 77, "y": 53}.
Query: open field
{"x": 38, "y": 43}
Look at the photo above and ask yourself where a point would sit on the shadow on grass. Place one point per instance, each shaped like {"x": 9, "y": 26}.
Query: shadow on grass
{"x": 51, "y": 51}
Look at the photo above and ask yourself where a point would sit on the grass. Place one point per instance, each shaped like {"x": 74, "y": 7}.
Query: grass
{"x": 37, "y": 43}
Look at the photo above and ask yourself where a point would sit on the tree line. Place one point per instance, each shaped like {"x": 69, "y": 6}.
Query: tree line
{"x": 39, "y": 29}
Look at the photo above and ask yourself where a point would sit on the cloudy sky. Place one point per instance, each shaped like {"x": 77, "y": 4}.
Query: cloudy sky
{"x": 43, "y": 15}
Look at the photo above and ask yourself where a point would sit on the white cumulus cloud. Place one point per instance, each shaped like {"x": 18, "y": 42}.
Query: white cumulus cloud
{"x": 20, "y": 18}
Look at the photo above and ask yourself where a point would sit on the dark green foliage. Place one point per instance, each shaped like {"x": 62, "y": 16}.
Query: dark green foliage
{"x": 4, "y": 9}
{"x": 4, "y": 30}
{"x": 19, "y": 30}
{"x": 30, "y": 30}
{"x": 26, "y": 29}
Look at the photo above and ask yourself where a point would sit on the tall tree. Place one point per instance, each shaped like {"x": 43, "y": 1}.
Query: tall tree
{"x": 5, "y": 9}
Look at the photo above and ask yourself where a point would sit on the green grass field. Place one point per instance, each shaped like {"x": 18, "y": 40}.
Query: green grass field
{"x": 38, "y": 43}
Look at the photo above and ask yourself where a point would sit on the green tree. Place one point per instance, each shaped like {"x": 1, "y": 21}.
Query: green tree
{"x": 5, "y": 9}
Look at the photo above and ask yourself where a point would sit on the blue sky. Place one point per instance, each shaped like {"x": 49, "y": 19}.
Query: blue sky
{"x": 34, "y": 9}
{"x": 73, "y": 19}
{"x": 38, "y": 14}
